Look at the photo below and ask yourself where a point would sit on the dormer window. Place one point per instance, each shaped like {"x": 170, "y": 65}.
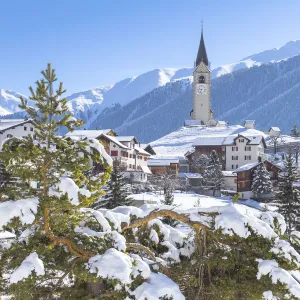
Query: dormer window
{"x": 201, "y": 79}
{"x": 9, "y": 136}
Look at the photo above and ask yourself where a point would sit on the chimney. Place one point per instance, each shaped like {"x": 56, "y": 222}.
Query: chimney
{"x": 249, "y": 124}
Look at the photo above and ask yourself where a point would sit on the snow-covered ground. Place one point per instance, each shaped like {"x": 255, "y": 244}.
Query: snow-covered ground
{"x": 179, "y": 142}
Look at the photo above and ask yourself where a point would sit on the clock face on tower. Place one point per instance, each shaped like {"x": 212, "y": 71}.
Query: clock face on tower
{"x": 201, "y": 89}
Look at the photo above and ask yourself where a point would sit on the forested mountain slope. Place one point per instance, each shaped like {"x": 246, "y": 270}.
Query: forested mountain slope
{"x": 268, "y": 93}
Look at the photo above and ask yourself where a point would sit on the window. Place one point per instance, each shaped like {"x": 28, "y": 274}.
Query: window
{"x": 232, "y": 167}
{"x": 247, "y": 157}
{"x": 201, "y": 79}
{"x": 236, "y": 166}
{"x": 234, "y": 157}
{"x": 114, "y": 153}
{"x": 134, "y": 156}
{"x": 145, "y": 158}
{"x": 235, "y": 180}
{"x": 31, "y": 128}
{"x": 235, "y": 148}
{"x": 247, "y": 148}
{"x": 9, "y": 136}
{"x": 241, "y": 140}
{"x": 129, "y": 166}
{"x": 223, "y": 148}
{"x": 130, "y": 155}
{"x": 25, "y": 128}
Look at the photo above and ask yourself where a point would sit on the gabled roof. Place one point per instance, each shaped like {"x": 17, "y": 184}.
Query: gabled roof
{"x": 247, "y": 167}
{"x": 277, "y": 129}
{"x": 141, "y": 150}
{"x": 92, "y": 134}
{"x": 126, "y": 138}
{"x": 228, "y": 174}
{"x": 162, "y": 162}
{"x": 114, "y": 140}
{"x": 6, "y": 124}
{"x": 202, "y": 55}
{"x": 193, "y": 175}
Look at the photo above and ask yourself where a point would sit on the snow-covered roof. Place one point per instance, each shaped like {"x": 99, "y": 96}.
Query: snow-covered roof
{"x": 228, "y": 174}
{"x": 177, "y": 143}
{"x": 162, "y": 162}
{"x": 192, "y": 122}
{"x": 6, "y": 124}
{"x": 92, "y": 134}
{"x": 146, "y": 170}
{"x": 144, "y": 146}
{"x": 253, "y": 135}
{"x": 141, "y": 150}
{"x": 277, "y": 129}
{"x": 126, "y": 138}
{"x": 209, "y": 141}
{"x": 192, "y": 175}
{"x": 221, "y": 122}
{"x": 114, "y": 140}
{"x": 247, "y": 167}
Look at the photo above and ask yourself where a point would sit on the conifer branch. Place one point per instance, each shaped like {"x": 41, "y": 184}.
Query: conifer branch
{"x": 172, "y": 214}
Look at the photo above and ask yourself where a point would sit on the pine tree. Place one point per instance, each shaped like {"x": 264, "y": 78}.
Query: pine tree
{"x": 262, "y": 183}
{"x": 294, "y": 131}
{"x": 213, "y": 176}
{"x": 288, "y": 198}
{"x": 199, "y": 161}
{"x": 117, "y": 190}
{"x": 59, "y": 165}
{"x": 169, "y": 200}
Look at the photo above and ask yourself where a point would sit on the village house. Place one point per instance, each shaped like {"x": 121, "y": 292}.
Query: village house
{"x": 19, "y": 128}
{"x": 162, "y": 166}
{"x": 229, "y": 182}
{"x": 245, "y": 176}
{"x": 234, "y": 145}
{"x": 125, "y": 149}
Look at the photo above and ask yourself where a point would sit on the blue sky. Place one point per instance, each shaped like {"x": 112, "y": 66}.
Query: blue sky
{"x": 98, "y": 42}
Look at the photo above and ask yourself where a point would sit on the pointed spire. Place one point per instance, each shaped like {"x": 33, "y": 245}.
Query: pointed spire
{"x": 202, "y": 56}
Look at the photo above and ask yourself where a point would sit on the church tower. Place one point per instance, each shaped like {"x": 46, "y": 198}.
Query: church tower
{"x": 201, "y": 87}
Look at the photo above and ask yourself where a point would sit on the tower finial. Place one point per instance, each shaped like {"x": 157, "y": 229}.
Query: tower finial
{"x": 202, "y": 56}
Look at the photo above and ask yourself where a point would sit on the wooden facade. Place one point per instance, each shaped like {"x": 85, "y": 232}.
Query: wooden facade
{"x": 171, "y": 169}
{"x": 220, "y": 150}
{"x": 244, "y": 180}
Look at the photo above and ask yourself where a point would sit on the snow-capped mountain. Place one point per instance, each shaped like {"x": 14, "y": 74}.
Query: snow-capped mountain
{"x": 9, "y": 102}
{"x": 268, "y": 93}
{"x": 290, "y": 49}
{"x": 162, "y": 98}
{"x": 89, "y": 104}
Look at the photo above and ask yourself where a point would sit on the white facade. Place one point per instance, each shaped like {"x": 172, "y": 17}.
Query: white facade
{"x": 15, "y": 128}
{"x": 242, "y": 152}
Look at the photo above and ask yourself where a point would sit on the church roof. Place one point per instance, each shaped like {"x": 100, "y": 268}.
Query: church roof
{"x": 202, "y": 56}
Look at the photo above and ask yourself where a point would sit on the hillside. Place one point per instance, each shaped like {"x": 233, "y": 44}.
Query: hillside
{"x": 268, "y": 93}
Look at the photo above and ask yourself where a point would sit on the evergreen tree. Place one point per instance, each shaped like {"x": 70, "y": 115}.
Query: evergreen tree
{"x": 199, "y": 161}
{"x": 262, "y": 183}
{"x": 117, "y": 190}
{"x": 169, "y": 200}
{"x": 60, "y": 166}
{"x": 213, "y": 176}
{"x": 295, "y": 132}
{"x": 288, "y": 198}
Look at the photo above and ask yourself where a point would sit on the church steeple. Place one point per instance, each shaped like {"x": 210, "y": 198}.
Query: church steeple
{"x": 202, "y": 56}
